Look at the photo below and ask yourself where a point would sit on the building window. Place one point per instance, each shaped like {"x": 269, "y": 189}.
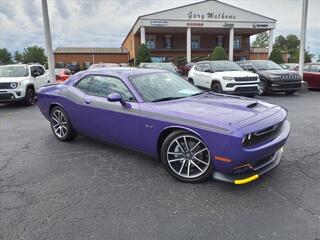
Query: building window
{"x": 151, "y": 41}
{"x": 237, "y": 42}
{"x": 195, "y": 42}
{"x": 220, "y": 41}
{"x": 168, "y": 42}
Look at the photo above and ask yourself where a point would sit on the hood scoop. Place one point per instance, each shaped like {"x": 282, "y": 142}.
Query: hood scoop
{"x": 252, "y": 105}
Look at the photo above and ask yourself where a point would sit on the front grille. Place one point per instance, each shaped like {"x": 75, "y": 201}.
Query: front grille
{"x": 290, "y": 77}
{"x": 245, "y": 79}
{"x": 5, "y": 86}
{"x": 264, "y": 135}
{"x": 6, "y": 96}
{"x": 246, "y": 89}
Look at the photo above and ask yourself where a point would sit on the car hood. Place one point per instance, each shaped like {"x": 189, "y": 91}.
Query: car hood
{"x": 11, "y": 79}
{"x": 277, "y": 72}
{"x": 237, "y": 74}
{"x": 208, "y": 109}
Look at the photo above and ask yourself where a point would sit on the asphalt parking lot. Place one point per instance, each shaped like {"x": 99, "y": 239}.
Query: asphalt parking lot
{"x": 91, "y": 190}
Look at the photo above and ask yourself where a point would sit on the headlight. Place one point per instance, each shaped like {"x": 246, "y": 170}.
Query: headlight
{"x": 273, "y": 76}
{"x": 228, "y": 78}
{"x": 13, "y": 85}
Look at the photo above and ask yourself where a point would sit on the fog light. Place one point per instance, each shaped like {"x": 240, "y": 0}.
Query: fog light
{"x": 18, "y": 93}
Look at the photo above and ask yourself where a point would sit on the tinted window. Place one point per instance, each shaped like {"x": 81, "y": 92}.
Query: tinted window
{"x": 102, "y": 86}
{"x": 266, "y": 65}
{"x": 41, "y": 70}
{"x": 85, "y": 83}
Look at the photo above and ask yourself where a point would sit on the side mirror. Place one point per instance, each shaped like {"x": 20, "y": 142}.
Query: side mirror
{"x": 250, "y": 69}
{"x": 116, "y": 97}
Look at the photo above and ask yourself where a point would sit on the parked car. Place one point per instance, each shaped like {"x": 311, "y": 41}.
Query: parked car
{"x": 186, "y": 68}
{"x": 311, "y": 74}
{"x": 224, "y": 77}
{"x": 74, "y": 68}
{"x": 166, "y": 66}
{"x": 20, "y": 82}
{"x": 288, "y": 66}
{"x": 196, "y": 134}
{"x": 103, "y": 65}
{"x": 273, "y": 77}
{"x": 62, "y": 74}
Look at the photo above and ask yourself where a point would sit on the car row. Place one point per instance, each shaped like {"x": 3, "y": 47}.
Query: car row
{"x": 196, "y": 134}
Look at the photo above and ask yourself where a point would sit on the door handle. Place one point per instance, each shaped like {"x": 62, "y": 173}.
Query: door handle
{"x": 87, "y": 101}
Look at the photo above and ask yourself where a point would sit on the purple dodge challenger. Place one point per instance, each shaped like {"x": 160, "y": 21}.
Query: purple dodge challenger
{"x": 196, "y": 134}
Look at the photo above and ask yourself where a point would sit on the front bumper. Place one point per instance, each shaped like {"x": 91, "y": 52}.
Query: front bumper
{"x": 11, "y": 95}
{"x": 255, "y": 174}
{"x": 280, "y": 86}
{"x": 241, "y": 88}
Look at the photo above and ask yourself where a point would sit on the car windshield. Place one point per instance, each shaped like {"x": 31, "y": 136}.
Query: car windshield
{"x": 14, "y": 71}
{"x": 165, "y": 66}
{"x": 266, "y": 65}
{"x": 156, "y": 87}
{"x": 225, "y": 66}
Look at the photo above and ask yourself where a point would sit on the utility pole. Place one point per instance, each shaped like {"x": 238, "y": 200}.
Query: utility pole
{"x": 303, "y": 36}
{"x": 47, "y": 33}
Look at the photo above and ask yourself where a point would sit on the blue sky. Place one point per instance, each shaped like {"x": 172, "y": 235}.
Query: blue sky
{"x": 105, "y": 23}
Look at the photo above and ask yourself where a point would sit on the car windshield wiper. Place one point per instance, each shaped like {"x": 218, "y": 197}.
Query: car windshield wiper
{"x": 166, "y": 99}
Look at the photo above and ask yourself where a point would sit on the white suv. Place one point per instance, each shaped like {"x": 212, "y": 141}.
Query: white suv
{"x": 20, "y": 82}
{"x": 224, "y": 77}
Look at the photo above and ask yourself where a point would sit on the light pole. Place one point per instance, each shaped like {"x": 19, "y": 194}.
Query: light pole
{"x": 303, "y": 36}
{"x": 47, "y": 33}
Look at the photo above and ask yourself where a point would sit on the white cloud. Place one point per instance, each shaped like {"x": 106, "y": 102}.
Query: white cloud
{"x": 105, "y": 23}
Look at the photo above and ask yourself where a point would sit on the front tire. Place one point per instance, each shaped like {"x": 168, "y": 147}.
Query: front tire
{"x": 190, "y": 80}
{"x": 186, "y": 157}
{"x": 263, "y": 88}
{"x": 216, "y": 87}
{"x": 61, "y": 126}
{"x": 30, "y": 97}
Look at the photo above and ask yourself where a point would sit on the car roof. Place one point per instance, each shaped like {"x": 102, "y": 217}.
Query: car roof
{"x": 207, "y": 61}
{"x": 124, "y": 71}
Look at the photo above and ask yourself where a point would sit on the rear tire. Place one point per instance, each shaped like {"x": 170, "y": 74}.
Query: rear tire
{"x": 30, "y": 97}
{"x": 188, "y": 162}
{"x": 190, "y": 80}
{"x": 290, "y": 92}
{"x": 216, "y": 87}
{"x": 61, "y": 126}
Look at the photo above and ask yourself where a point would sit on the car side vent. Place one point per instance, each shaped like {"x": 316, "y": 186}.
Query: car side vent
{"x": 252, "y": 105}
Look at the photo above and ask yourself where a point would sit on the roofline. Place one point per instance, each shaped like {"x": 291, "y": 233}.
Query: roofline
{"x": 191, "y": 4}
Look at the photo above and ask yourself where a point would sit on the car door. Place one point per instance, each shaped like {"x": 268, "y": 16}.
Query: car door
{"x": 110, "y": 121}
{"x": 39, "y": 76}
{"x": 312, "y": 76}
{"x": 197, "y": 75}
{"x": 207, "y": 75}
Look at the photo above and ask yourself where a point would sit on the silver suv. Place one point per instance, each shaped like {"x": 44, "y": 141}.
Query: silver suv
{"x": 20, "y": 82}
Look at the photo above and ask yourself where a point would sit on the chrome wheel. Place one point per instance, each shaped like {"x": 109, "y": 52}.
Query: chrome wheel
{"x": 188, "y": 156}
{"x": 59, "y": 123}
{"x": 262, "y": 88}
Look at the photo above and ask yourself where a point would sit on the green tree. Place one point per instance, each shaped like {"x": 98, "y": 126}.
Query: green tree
{"x": 261, "y": 41}
{"x": 276, "y": 56}
{"x": 293, "y": 42}
{"x": 5, "y": 56}
{"x": 17, "y": 56}
{"x": 280, "y": 42}
{"x": 34, "y": 54}
{"x": 143, "y": 55}
{"x": 218, "y": 54}
{"x": 295, "y": 53}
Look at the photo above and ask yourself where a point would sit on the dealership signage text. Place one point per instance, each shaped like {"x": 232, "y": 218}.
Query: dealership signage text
{"x": 210, "y": 15}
